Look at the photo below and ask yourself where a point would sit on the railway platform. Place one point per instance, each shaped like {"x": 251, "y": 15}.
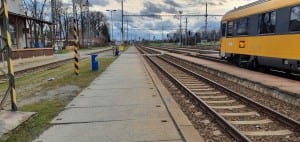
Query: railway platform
{"x": 127, "y": 103}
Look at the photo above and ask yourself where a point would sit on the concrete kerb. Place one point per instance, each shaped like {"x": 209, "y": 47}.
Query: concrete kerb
{"x": 180, "y": 120}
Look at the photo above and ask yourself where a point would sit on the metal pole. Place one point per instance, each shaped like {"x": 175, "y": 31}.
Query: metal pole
{"x": 206, "y": 15}
{"x": 75, "y": 33}
{"x": 111, "y": 21}
{"x": 26, "y": 38}
{"x": 13, "y": 94}
{"x": 214, "y": 39}
{"x": 89, "y": 22}
{"x": 122, "y": 29}
{"x": 127, "y": 32}
{"x": 112, "y": 24}
{"x": 186, "y": 36}
{"x": 195, "y": 39}
{"x": 180, "y": 12}
{"x": 162, "y": 33}
{"x": 82, "y": 25}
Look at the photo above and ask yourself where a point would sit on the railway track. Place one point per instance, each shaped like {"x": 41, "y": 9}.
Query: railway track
{"x": 199, "y": 54}
{"x": 240, "y": 117}
{"x": 46, "y": 66}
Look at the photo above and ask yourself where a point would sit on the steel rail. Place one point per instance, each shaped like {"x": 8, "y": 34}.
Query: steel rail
{"x": 235, "y": 133}
{"x": 196, "y": 56}
{"x": 261, "y": 108}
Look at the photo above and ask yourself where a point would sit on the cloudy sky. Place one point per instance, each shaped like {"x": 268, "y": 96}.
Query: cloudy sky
{"x": 146, "y": 27}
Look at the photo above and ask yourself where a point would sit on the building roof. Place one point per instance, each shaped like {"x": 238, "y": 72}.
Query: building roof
{"x": 30, "y": 18}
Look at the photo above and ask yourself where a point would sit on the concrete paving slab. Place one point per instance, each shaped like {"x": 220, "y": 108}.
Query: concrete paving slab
{"x": 116, "y": 131}
{"x": 112, "y": 92}
{"x": 132, "y": 98}
{"x": 10, "y": 120}
{"x": 111, "y": 113}
{"x": 120, "y": 85}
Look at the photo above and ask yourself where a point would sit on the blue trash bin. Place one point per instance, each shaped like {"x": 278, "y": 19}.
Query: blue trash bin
{"x": 117, "y": 51}
{"x": 94, "y": 62}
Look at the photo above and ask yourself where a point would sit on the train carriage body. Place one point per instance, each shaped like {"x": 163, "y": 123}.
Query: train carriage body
{"x": 265, "y": 33}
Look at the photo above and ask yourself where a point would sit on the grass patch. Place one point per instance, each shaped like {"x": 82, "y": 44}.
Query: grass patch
{"x": 48, "y": 109}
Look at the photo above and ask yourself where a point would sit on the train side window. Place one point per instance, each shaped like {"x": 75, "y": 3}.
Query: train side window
{"x": 295, "y": 19}
{"x": 242, "y": 26}
{"x": 230, "y": 28}
{"x": 267, "y": 22}
{"x": 223, "y": 29}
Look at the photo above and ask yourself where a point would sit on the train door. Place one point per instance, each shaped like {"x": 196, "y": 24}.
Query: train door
{"x": 222, "y": 42}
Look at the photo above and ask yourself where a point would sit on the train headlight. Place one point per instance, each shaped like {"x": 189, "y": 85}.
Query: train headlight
{"x": 242, "y": 44}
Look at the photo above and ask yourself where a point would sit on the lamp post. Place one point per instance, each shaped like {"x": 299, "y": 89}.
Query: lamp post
{"x": 112, "y": 26}
{"x": 180, "y": 14}
{"x": 25, "y": 31}
{"x": 86, "y": 6}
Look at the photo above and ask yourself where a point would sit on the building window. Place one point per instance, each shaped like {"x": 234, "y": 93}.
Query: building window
{"x": 242, "y": 26}
{"x": 223, "y": 29}
{"x": 267, "y": 22}
{"x": 230, "y": 28}
{"x": 295, "y": 19}
{"x": 12, "y": 31}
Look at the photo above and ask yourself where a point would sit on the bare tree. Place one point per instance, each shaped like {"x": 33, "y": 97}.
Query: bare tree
{"x": 36, "y": 9}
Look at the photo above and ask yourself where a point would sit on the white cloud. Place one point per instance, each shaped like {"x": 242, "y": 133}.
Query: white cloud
{"x": 165, "y": 7}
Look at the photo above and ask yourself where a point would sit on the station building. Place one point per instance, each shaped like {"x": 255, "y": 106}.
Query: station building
{"x": 20, "y": 28}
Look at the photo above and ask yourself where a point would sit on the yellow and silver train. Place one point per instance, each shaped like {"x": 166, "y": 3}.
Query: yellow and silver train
{"x": 263, "y": 33}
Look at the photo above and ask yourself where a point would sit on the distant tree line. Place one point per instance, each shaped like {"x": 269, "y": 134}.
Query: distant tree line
{"x": 91, "y": 24}
{"x": 191, "y": 38}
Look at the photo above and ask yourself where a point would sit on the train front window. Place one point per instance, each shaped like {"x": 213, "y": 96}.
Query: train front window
{"x": 295, "y": 19}
{"x": 242, "y": 26}
{"x": 223, "y": 29}
{"x": 230, "y": 28}
{"x": 267, "y": 22}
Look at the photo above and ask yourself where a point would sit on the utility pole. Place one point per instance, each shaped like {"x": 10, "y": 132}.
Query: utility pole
{"x": 35, "y": 26}
{"x": 75, "y": 33}
{"x": 122, "y": 29}
{"x": 195, "y": 39}
{"x": 186, "y": 34}
{"x": 53, "y": 7}
{"x": 87, "y": 4}
{"x": 66, "y": 25}
{"x": 11, "y": 75}
{"x": 74, "y": 10}
{"x": 82, "y": 25}
{"x": 112, "y": 25}
{"x": 127, "y": 32}
{"x": 206, "y": 15}
{"x": 162, "y": 33}
{"x": 26, "y": 38}
{"x": 180, "y": 12}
